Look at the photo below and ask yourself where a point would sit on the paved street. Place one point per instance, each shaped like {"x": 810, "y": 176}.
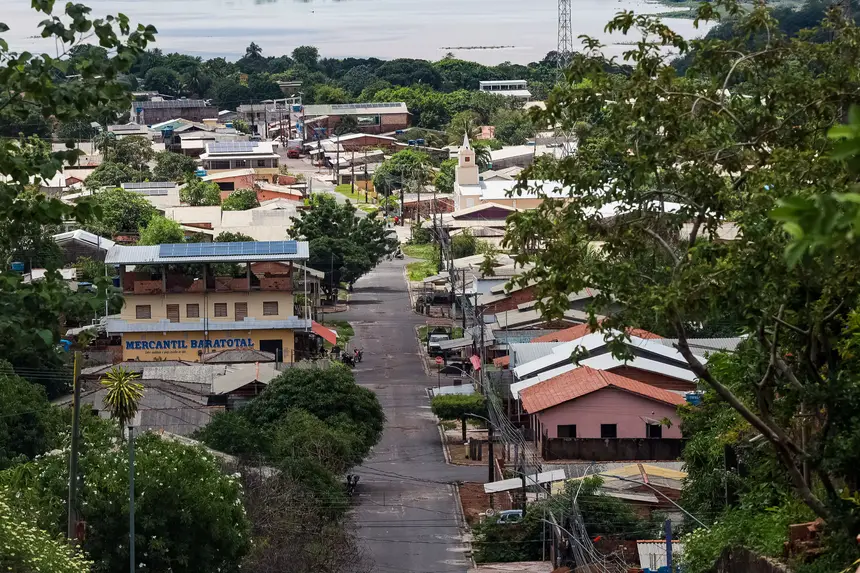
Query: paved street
{"x": 408, "y": 516}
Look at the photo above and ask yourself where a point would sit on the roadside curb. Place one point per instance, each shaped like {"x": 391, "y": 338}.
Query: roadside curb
{"x": 421, "y": 355}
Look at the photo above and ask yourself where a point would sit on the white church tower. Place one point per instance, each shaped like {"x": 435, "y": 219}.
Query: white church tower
{"x": 467, "y": 169}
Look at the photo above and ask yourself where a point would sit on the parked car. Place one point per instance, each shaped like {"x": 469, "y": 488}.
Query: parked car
{"x": 434, "y": 341}
{"x": 293, "y": 153}
{"x": 510, "y": 516}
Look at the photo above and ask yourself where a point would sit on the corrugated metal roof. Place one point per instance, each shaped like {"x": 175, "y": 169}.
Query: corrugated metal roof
{"x": 143, "y": 255}
{"x": 355, "y": 108}
{"x": 707, "y": 344}
{"x": 526, "y": 352}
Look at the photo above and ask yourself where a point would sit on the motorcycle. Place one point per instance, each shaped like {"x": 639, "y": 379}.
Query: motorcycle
{"x": 398, "y": 254}
{"x": 348, "y": 360}
{"x": 351, "y": 484}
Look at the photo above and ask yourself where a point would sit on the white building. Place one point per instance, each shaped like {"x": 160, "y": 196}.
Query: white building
{"x": 510, "y": 88}
{"x": 470, "y": 190}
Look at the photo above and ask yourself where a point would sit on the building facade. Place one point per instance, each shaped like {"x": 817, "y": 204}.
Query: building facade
{"x": 231, "y": 156}
{"x": 370, "y": 117}
{"x": 152, "y": 112}
{"x": 182, "y": 301}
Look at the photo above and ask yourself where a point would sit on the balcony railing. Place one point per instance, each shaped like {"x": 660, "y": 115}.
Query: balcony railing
{"x": 175, "y": 284}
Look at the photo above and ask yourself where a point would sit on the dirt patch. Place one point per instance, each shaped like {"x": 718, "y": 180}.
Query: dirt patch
{"x": 458, "y": 452}
{"x": 474, "y": 500}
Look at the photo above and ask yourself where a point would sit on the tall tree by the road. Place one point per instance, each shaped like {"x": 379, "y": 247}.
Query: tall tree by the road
{"x": 676, "y": 179}
{"x": 397, "y": 171}
{"x": 30, "y": 314}
{"x": 342, "y": 244}
{"x": 459, "y": 407}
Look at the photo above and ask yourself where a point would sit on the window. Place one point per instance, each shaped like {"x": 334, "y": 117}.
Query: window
{"x": 220, "y": 309}
{"x": 567, "y": 431}
{"x": 608, "y": 431}
{"x": 192, "y": 310}
{"x": 261, "y": 163}
{"x": 142, "y": 311}
{"x": 173, "y": 312}
{"x": 270, "y": 308}
{"x": 241, "y": 310}
{"x": 219, "y": 165}
{"x": 466, "y": 159}
{"x": 653, "y": 431}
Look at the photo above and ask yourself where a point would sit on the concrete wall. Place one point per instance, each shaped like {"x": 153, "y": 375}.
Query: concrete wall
{"x": 254, "y": 299}
{"x": 240, "y": 182}
{"x": 611, "y": 449}
{"x": 187, "y": 345}
{"x": 609, "y": 406}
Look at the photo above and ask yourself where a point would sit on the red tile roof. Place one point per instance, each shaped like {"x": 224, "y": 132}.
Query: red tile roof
{"x": 585, "y": 380}
{"x": 503, "y": 362}
{"x": 580, "y": 330}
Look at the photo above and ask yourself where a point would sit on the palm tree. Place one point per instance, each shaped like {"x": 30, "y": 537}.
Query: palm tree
{"x": 253, "y": 51}
{"x": 483, "y": 159}
{"x": 123, "y": 396}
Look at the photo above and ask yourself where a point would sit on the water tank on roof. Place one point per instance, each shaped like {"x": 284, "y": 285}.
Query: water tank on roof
{"x": 419, "y": 141}
{"x": 229, "y": 124}
{"x": 200, "y": 172}
{"x": 17, "y": 267}
{"x": 411, "y": 142}
{"x": 297, "y": 108}
{"x": 399, "y": 132}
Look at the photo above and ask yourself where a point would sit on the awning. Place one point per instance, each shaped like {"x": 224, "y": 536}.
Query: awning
{"x": 327, "y": 334}
{"x": 455, "y": 343}
{"x": 517, "y": 482}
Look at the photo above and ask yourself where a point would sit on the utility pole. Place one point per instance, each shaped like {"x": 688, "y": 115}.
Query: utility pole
{"x": 131, "y": 497}
{"x": 667, "y": 525}
{"x": 73, "y": 457}
{"x": 492, "y": 461}
{"x": 337, "y": 161}
{"x": 352, "y": 176}
{"x": 365, "y": 175}
{"x": 463, "y": 301}
{"x": 523, "y": 477}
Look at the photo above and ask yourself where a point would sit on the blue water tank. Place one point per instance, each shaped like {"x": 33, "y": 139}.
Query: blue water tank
{"x": 411, "y": 142}
{"x": 17, "y": 267}
{"x": 229, "y": 124}
{"x": 200, "y": 172}
{"x": 693, "y": 398}
{"x": 399, "y": 132}
{"x": 297, "y": 108}
{"x": 420, "y": 141}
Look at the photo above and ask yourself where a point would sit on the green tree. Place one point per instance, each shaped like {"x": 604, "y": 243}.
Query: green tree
{"x": 330, "y": 94}
{"x": 197, "y": 192}
{"x": 26, "y": 417}
{"x": 674, "y": 183}
{"x": 135, "y": 151}
{"x": 464, "y": 123}
{"x": 342, "y": 245}
{"x": 513, "y": 127}
{"x": 111, "y": 174}
{"x": 230, "y": 237}
{"x": 77, "y": 130}
{"x": 459, "y": 407}
{"x": 24, "y": 547}
{"x": 171, "y": 166}
{"x": 397, "y": 170}
{"x": 444, "y": 181}
{"x": 483, "y": 156}
{"x": 464, "y": 245}
{"x": 89, "y": 269}
{"x": 174, "y": 531}
{"x": 164, "y": 81}
{"x": 241, "y": 126}
{"x": 121, "y": 212}
{"x": 123, "y": 394}
{"x": 306, "y": 56}
{"x": 160, "y": 230}
{"x": 240, "y": 200}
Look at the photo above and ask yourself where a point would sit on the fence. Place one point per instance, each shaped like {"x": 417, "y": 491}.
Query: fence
{"x": 611, "y": 449}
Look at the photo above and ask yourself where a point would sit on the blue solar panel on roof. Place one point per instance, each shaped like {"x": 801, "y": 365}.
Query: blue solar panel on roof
{"x": 228, "y": 249}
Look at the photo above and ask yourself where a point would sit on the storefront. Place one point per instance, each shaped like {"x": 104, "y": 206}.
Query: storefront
{"x": 189, "y": 345}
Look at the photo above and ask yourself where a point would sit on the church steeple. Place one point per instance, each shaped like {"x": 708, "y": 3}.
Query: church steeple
{"x": 467, "y": 170}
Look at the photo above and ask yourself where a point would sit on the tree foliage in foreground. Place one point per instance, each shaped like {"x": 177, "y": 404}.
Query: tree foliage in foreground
{"x": 669, "y": 168}
{"x": 188, "y": 514}
{"x": 121, "y": 211}
{"x": 29, "y": 314}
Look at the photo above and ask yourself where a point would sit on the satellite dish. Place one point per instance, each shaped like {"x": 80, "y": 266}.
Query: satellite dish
{"x": 490, "y": 512}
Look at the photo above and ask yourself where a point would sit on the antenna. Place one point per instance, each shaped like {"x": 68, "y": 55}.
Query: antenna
{"x": 565, "y": 48}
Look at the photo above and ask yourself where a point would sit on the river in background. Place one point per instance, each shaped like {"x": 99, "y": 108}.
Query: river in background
{"x": 426, "y": 29}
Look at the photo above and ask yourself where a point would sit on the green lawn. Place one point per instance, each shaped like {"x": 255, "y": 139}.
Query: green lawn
{"x": 420, "y": 270}
{"x": 426, "y": 252}
{"x": 344, "y": 330}
{"x": 346, "y": 191}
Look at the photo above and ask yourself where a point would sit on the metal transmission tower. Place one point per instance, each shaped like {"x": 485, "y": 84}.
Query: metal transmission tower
{"x": 565, "y": 48}
{"x": 565, "y": 37}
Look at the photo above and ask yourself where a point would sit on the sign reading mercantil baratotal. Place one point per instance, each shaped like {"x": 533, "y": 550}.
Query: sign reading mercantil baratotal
{"x": 186, "y": 344}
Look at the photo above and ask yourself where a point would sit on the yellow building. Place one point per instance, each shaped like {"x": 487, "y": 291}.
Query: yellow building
{"x": 184, "y": 300}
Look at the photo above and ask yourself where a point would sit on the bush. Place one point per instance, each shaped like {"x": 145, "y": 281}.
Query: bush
{"x": 458, "y": 407}
{"x": 240, "y": 200}
{"x": 464, "y": 245}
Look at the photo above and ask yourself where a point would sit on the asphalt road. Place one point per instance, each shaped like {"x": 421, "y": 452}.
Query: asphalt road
{"x": 408, "y": 511}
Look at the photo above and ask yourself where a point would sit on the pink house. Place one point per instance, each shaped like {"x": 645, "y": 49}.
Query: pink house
{"x": 589, "y": 403}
